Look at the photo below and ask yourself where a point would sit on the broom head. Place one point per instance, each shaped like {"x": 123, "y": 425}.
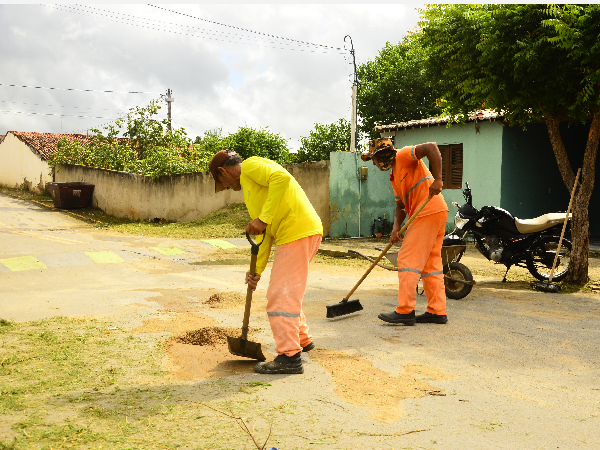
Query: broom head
{"x": 342, "y": 308}
{"x": 546, "y": 286}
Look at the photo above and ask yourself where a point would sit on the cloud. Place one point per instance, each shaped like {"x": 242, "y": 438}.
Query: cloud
{"x": 221, "y": 76}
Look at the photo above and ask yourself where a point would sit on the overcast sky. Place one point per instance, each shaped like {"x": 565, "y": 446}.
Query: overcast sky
{"x": 227, "y": 65}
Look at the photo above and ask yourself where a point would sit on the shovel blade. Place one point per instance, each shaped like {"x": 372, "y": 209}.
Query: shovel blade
{"x": 245, "y": 348}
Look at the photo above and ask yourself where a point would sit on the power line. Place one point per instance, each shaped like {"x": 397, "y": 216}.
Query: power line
{"x": 157, "y": 28}
{"x": 169, "y": 24}
{"x": 31, "y": 113}
{"x": 75, "y": 89}
{"x": 244, "y": 29}
{"x": 53, "y": 106}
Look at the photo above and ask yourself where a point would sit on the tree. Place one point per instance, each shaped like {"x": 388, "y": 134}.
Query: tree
{"x": 248, "y": 142}
{"x": 530, "y": 63}
{"x": 395, "y": 87}
{"x": 323, "y": 140}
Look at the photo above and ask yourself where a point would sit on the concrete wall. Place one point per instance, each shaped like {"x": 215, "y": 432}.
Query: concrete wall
{"x": 21, "y": 167}
{"x": 355, "y": 201}
{"x": 184, "y": 197}
{"x": 482, "y": 159}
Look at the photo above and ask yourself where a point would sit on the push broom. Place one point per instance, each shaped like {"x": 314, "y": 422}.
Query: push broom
{"x": 351, "y": 306}
{"x": 549, "y": 286}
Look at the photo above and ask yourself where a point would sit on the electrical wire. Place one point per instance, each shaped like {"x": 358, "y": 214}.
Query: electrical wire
{"x": 54, "y": 106}
{"x": 245, "y": 29}
{"x": 30, "y": 113}
{"x": 75, "y": 89}
{"x": 157, "y": 28}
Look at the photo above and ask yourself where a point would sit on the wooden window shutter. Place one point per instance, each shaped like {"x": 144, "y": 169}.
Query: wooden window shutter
{"x": 452, "y": 165}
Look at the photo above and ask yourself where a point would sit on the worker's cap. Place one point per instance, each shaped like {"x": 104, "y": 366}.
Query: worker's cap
{"x": 217, "y": 161}
{"x": 376, "y": 146}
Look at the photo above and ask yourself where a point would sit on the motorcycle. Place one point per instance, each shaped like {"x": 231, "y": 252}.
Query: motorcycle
{"x": 504, "y": 239}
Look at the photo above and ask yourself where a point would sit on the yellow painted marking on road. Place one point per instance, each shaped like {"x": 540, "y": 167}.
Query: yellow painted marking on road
{"x": 210, "y": 280}
{"x": 219, "y": 243}
{"x": 168, "y": 251}
{"x": 105, "y": 257}
{"x": 23, "y": 263}
{"x": 10, "y": 229}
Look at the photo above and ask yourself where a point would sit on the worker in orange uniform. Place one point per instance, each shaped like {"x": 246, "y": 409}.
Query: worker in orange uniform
{"x": 420, "y": 254}
{"x": 278, "y": 205}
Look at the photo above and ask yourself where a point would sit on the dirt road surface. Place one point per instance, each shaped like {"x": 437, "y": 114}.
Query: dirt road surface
{"x": 512, "y": 369}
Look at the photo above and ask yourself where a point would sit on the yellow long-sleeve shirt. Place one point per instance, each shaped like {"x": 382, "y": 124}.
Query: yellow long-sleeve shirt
{"x": 274, "y": 196}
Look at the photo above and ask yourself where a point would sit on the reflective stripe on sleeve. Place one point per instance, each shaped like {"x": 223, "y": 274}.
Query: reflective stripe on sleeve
{"x": 412, "y": 152}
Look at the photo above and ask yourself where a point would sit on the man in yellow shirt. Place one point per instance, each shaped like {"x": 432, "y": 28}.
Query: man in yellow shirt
{"x": 277, "y": 205}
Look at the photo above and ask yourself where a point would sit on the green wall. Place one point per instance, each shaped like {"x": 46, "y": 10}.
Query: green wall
{"x": 505, "y": 166}
{"x": 346, "y": 192}
{"x": 531, "y": 182}
{"x": 482, "y": 159}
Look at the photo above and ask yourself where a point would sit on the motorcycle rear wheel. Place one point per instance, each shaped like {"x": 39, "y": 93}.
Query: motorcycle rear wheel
{"x": 540, "y": 265}
{"x": 455, "y": 289}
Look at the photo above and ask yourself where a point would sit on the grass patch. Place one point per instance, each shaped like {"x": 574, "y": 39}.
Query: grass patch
{"x": 74, "y": 383}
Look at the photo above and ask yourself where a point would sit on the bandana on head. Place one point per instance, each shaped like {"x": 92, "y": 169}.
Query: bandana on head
{"x": 385, "y": 158}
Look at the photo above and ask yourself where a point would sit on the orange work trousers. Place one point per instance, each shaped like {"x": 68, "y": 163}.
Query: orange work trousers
{"x": 420, "y": 257}
{"x": 286, "y": 291}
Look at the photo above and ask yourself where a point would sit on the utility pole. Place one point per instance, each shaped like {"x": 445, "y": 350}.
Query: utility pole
{"x": 169, "y": 101}
{"x": 354, "y": 95}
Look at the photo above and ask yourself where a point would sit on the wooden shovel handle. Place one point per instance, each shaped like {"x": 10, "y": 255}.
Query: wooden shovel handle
{"x": 385, "y": 250}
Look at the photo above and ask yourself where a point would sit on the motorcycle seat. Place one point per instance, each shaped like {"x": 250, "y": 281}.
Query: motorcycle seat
{"x": 541, "y": 223}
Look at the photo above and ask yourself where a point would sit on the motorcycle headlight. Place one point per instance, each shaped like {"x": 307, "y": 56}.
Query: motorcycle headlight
{"x": 459, "y": 221}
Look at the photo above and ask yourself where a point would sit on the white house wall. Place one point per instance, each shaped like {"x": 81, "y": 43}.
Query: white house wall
{"x": 20, "y": 166}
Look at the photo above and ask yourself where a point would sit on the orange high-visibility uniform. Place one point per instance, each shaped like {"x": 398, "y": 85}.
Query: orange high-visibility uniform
{"x": 420, "y": 254}
{"x": 273, "y": 195}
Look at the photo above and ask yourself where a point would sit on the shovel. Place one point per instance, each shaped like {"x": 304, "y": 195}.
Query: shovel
{"x": 242, "y": 346}
{"x": 350, "y": 306}
{"x": 549, "y": 286}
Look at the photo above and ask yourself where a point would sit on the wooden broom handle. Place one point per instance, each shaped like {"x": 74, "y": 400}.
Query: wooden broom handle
{"x": 564, "y": 227}
{"x": 385, "y": 250}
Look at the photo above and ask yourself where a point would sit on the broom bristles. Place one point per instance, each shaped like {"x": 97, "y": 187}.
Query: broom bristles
{"x": 342, "y": 308}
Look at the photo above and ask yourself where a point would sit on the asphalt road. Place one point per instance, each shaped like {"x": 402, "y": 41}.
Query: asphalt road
{"x": 523, "y": 367}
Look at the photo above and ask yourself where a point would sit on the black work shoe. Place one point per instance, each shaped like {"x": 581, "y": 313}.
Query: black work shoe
{"x": 281, "y": 364}
{"x": 428, "y": 317}
{"x": 308, "y": 347}
{"x": 394, "y": 317}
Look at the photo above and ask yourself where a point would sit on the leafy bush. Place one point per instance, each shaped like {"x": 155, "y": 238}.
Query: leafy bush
{"x": 149, "y": 148}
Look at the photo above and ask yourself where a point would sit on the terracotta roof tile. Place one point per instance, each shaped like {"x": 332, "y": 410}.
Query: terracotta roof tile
{"x": 486, "y": 114}
{"x": 45, "y": 143}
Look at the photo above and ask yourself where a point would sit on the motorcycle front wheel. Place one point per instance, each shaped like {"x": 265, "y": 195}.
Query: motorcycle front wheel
{"x": 454, "y": 288}
{"x": 540, "y": 264}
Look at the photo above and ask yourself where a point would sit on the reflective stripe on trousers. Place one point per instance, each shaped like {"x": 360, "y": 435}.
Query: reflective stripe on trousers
{"x": 420, "y": 257}
{"x": 286, "y": 291}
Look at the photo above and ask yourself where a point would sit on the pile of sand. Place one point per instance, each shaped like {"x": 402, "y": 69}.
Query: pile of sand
{"x": 207, "y": 336}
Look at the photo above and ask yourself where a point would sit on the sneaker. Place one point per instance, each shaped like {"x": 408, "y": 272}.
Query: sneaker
{"x": 281, "y": 364}
{"x": 428, "y": 317}
{"x": 394, "y": 317}
{"x": 308, "y": 347}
